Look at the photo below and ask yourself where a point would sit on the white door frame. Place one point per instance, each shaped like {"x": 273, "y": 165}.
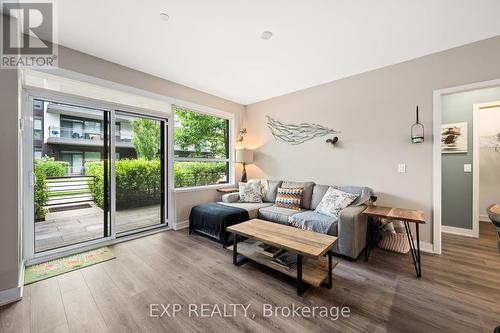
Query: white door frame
{"x": 28, "y": 95}
{"x": 437, "y": 120}
{"x": 475, "y": 163}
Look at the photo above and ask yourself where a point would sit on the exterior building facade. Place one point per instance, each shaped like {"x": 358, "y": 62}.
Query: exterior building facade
{"x": 75, "y": 135}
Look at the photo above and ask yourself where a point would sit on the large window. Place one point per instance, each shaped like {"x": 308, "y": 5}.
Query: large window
{"x": 201, "y": 149}
{"x": 37, "y": 127}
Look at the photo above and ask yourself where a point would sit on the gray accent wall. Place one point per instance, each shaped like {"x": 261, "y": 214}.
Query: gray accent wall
{"x": 10, "y": 253}
{"x": 456, "y": 207}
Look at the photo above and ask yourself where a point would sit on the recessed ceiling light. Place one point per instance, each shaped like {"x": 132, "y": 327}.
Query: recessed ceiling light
{"x": 164, "y": 16}
{"x": 266, "y": 35}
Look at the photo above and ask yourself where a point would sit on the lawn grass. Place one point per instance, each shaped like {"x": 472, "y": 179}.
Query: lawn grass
{"x": 68, "y": 193}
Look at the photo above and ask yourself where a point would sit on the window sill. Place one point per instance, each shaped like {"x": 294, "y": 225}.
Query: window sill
{"x": 202, "y": 188}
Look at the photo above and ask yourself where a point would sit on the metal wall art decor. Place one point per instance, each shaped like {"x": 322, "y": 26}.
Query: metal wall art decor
{"x": 297, "y": 134}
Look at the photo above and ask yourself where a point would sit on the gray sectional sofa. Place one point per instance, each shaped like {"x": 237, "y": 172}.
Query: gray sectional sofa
{"x": 350, "y": 228}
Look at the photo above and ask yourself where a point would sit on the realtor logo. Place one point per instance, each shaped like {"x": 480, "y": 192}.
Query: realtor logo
{"x": 28, "y": 35}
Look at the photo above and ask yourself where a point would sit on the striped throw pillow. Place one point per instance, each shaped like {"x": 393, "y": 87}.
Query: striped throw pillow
{"x": 289, "y": 198}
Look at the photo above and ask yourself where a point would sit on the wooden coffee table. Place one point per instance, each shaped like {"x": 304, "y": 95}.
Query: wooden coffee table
{"x": 309, "y": 247}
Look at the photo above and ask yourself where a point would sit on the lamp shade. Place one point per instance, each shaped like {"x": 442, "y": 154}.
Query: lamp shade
{"x": 244, "y": 156}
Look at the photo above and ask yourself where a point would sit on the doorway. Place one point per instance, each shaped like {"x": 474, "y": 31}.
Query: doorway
{"x": 453, "y": 149}
{"x": 88, "y": 182}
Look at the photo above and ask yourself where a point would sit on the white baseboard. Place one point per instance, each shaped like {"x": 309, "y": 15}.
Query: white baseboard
{"x": 425, "y": 247}
{"x": 181, "y": 225}
{"x": 13, "y": 294}
{"x": 484, "y": 218}
{"x": 457, "y": 231}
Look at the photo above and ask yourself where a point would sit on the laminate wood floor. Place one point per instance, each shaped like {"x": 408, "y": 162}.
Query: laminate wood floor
{"x": 459, "y": 291}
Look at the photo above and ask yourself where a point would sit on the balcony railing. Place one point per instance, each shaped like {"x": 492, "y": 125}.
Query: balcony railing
{"x": 79, "y": 134}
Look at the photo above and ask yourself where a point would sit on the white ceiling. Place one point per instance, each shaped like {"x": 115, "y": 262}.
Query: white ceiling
{"x": 215, "y": 45}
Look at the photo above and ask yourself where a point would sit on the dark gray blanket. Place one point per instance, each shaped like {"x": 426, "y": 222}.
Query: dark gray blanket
{"x": 212, "y": 219}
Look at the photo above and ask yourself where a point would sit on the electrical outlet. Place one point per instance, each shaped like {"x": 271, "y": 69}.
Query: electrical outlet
{"x": 401, "y": 168}
{"x": 467, "y": 167}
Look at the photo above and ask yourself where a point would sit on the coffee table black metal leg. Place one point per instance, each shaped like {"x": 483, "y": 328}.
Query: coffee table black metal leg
{"x": 237, "y": 262}
{"x": 235, "y": 249}
{"x": 330, "y": 269}
{"x": 301, "y": 286}
{"x": 415, "y": 252}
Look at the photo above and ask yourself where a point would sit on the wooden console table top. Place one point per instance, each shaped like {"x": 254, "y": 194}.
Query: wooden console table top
{"x": 410, "y": 215}
{"x": 228, "y": 190}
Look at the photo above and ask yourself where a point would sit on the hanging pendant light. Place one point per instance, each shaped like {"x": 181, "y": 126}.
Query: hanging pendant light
{"x": 417, "y": 131}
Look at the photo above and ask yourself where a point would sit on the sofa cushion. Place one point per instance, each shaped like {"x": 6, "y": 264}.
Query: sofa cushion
{"x": 251, "y": 207}
{"x": 305, "y": 202}
{"x": 363, "y": 193}
{"x": 310, "y": 220}
{"x": 334, "y": 201}
{"x": 276, "y": 214}
{"x": 272, "y": 190}
{"x": 250, "y": 192}
{"x": 289, "y": 198}
{"x": 318, "y": 194}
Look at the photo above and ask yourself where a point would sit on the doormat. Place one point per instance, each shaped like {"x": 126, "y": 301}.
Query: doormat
{"x": 65, "y": 208}
{"x": 66, "y": 264}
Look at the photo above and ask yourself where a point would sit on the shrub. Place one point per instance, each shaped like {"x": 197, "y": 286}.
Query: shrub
{"x": 96, "y": 186}
{"x": 198, "y": 173}
{"x": 137, "y": 182}
{"x": 51, "y": 167}
{"x": 41, "y": 191}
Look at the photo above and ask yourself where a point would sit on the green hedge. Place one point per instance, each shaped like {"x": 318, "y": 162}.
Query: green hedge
{"x": 138, "y": 180}
{"x": 198, "y": 173}
{"x": 51, "y": 167}
{"x": 41, "y": 191}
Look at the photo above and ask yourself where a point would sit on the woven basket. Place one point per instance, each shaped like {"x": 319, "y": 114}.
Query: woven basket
{"x": 394, "y": 242}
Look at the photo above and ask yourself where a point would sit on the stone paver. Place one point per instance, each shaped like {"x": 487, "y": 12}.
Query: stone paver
{"x": 79, "y": 225}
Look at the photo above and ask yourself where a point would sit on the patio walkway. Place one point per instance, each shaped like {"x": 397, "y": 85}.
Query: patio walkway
{"x": 79, "y": 225}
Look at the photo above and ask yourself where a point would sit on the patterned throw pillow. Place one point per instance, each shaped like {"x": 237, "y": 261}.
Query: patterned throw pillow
{"x": 250, "y": 192}
{"x": 334, "y": 201}
{"x": 289, "y": 198}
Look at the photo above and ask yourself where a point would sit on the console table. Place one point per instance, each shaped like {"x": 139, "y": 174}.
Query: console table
{"x": 375, "y": 213}
{"x": 226, "y": 190}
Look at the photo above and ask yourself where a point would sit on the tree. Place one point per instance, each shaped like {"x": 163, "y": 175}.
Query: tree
{"x": 201, "y": 134}
{"x": 146, "y": 138}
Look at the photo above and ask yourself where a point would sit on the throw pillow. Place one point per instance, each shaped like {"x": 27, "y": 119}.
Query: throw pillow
{"x": 250, "y": 192}
{"x": 289, "y": 198}
{"x": 334, "y": 201}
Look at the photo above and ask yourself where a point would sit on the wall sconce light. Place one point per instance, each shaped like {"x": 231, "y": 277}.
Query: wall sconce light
{"x": 417, "y": 131}
{"x": 242, "y": 132}
{"x": 332, "y": 141}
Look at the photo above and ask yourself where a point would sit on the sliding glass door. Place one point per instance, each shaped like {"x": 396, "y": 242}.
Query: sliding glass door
{"x": 139, "y": 172}
{"x": 71, "y": 191}
{"x": 80, "y": 194}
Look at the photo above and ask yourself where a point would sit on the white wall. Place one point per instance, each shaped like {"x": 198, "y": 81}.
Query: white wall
{"x": 374, "y": 111}
{"x": 489, "y": 162}
{"x": 51, "y": 119}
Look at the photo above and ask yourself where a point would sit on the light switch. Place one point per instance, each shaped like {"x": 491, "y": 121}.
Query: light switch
{"x": 401, "y": 168}
{"x": 467, "y": 167}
